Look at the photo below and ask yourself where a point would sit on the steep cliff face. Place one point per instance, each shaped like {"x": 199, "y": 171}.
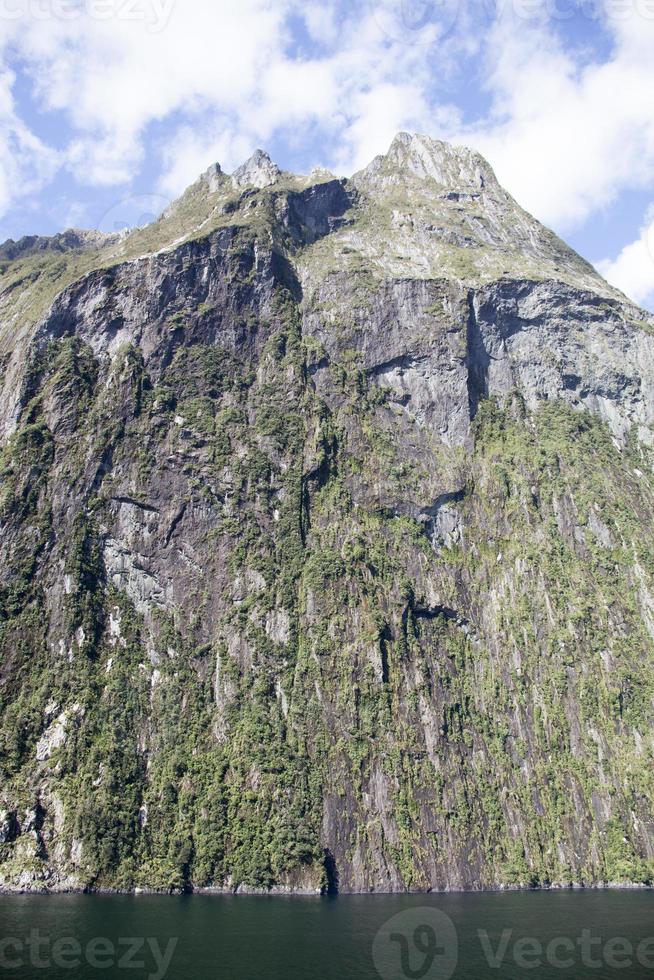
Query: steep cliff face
{"x": 326, "y": 544}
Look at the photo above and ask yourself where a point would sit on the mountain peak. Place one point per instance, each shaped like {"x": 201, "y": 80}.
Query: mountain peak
{"x": 401, "y": 390}
{"x": 259, "y": 171}
{"x": 455, "y": 167}
{"x": 213, "y": 176}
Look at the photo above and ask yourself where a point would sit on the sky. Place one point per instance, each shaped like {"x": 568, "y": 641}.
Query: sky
{"x": 110, "y": 108}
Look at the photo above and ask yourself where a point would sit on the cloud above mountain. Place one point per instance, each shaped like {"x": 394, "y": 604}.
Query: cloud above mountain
{"x": 99, "y": 95}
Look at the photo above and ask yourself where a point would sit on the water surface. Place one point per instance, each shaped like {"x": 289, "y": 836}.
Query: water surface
{"x": 546, "y": 936}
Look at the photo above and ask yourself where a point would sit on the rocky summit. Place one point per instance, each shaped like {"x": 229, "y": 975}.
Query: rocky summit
{"x": 326, "y": 544}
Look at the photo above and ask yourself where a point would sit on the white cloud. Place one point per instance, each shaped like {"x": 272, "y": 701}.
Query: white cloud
{"x": 223, "y": 77}
{"x": 633, "y": 270}
{"x": 113, "y": 78}
{"x": 26, "y": 163}
{"x": 567, "y": 135}
{"x": 378, "y": 115}
{"x": 191, "y": 150}
{"x": 356, "y": 90}
{"x": 568, "y": 139}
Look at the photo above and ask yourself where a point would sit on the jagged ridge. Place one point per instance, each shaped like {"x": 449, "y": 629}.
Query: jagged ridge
{"x": 326, "y": 544}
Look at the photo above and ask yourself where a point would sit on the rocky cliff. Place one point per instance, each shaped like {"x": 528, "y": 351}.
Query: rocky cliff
{"x": 326, "y": 544}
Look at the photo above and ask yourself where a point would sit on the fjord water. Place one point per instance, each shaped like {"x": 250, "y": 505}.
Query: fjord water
{"x": 467, "y": 937}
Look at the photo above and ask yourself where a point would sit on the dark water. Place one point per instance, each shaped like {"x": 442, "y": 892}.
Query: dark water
{"x": 471, "y": 937}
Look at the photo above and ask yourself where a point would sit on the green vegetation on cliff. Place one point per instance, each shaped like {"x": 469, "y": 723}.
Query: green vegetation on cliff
{"x": 312, "y": 577}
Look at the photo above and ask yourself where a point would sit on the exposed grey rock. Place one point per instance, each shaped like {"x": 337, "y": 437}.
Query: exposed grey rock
{"x": 55, "y": 736}
{"x": 213, "y": 177}
{"x": 70, "y": 240}
{"x": 9, "y": 828}
{"x": 325, "y": 544}
{"x": 259, "y": 171}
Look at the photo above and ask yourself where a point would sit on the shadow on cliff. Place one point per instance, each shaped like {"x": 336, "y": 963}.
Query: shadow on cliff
{"x": 331, "y": 874}
{"x": 478, "y": 361}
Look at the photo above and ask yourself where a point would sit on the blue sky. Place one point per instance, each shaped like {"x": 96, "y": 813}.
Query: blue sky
{"x": 109, "y": 108}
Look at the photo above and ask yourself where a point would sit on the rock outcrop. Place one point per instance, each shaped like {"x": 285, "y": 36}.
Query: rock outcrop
{"x": 326, "y": 548}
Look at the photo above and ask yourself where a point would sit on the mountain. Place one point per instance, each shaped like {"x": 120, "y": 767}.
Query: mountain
{"x": 326, "y": 544}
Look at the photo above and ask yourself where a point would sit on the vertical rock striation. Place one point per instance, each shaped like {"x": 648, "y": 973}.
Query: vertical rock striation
{"x": 326, "y": 548}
